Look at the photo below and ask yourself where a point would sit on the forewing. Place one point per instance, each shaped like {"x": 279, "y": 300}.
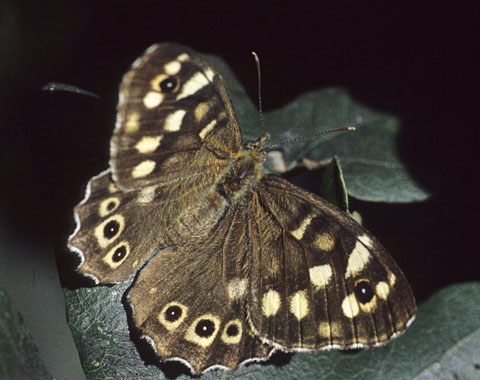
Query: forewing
{"x": 175, "y": 121}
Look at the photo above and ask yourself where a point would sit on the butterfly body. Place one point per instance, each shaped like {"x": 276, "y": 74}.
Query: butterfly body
{"x": 246, "y": 262}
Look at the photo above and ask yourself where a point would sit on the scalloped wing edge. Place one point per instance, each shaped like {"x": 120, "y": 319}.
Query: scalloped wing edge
{"x": 185, "y": 362}
{"x": 78, "y": 226}
{"x": 354, "y": 346}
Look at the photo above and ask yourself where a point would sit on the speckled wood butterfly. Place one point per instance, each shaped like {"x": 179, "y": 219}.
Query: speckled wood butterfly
{"x": 252, "y": 263}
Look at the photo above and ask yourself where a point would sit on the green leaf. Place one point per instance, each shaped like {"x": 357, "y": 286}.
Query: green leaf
{"x": 18, "y": 354}
{"x": 371, "y": 164}
{"x": 445, "y": 335}
{"x": 333, "y": 185}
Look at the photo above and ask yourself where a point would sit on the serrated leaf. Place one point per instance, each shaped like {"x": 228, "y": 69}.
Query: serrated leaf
{"x": 445, "y": 335}
{"x": 372, "y": 167}
{"x": 18, "y": 354}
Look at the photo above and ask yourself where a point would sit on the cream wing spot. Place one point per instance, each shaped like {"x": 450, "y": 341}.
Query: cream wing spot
{"x": 132, "y": 124}
{"x": 270, "y": 303}
{"x": 237, "y": 288}
{"x": 152, "y": 290}
{"x": 365, "y": 239}
{"x": 358, "y": 259}
{"x": 183, "y": 57}
{"x": 209, "y": 74}
{"x": 173, "y": 122}
{"x": 300, "y": 231}
{"x": 147, "y": 194}
{"x": 299, "y": 305}
{"x": 320, "y": 275}
{"x": 391, "y": 279}
{"x": 350, "y": 306}
{"x": 153, "y": 99}
{"x": 203, "y": 330}
{"x": 201, "y": 110}
{"x": 232, "y": 332}
{"x": 112, "y": 188}
{"x": 143, "y": 169}
{"x": 193, "y": 85}
{"x": 324, "y": 330}
{"x": 325, "y": 241}
{"x": 382, "y": 290}
{"x": 329, "y": 329}
{"x": 204, "y": 132}
{"x": 172, "y": 315}
{"x": 172, "y": 68}
{"x": 148, "y": 144}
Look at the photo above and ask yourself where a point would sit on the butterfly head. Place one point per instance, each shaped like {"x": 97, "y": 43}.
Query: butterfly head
{"x": 259, "y": 144}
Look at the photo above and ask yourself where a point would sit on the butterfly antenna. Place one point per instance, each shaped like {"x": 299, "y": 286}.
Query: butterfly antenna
{"x": 333, "y": 130}
{"x": 259, "y": 76}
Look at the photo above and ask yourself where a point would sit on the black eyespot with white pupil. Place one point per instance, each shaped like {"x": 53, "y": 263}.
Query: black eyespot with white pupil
{"x": 119, "y": 254}
{"x": 169, "y": 84}
{"x": 232, "y": 330}
{"x": 111, "y": 229}
{"x": 173, "y": 313}
{"x": 205, "y": 328}
{"x": 364, "y": 292}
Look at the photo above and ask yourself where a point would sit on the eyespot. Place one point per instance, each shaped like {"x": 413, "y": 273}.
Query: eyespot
{"x": 111, "y": 229}
{"x": 169, "y": 84}
{"x": 204, "y": 328}
{"x": 119, "y": 254}
{"x": 232, "y": 330}
{"x": 108, "y": 205}
{"x": 364, "y": 291}
{"x": 173, "y": 313}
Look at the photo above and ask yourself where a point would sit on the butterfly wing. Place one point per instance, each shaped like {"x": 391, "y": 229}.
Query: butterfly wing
{"x": 117, "y": 230}
{"x": 175, "y": 121}
{"x": 189, "y": 302}
{"x": 317, "y": 278}
{"x": 176, "y": 130}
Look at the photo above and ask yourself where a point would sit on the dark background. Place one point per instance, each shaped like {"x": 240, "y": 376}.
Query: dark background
{"x": 418, "y": 62}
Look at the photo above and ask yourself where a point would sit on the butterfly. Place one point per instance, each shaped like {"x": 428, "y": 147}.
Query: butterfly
{"x": 234, "y": 263}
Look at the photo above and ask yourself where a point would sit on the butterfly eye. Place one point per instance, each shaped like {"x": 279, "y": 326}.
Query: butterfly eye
{"x": 363, "y": 292}
{"x": 169, "y": 84}
{"x": 119, "y": 254}
{"x": 205, "y": 328}
{"x": 173, "y": 313}
{"x": 111, "y": 229}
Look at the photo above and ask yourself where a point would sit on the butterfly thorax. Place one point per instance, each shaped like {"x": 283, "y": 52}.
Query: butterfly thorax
{"x": 244, "y": 170}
